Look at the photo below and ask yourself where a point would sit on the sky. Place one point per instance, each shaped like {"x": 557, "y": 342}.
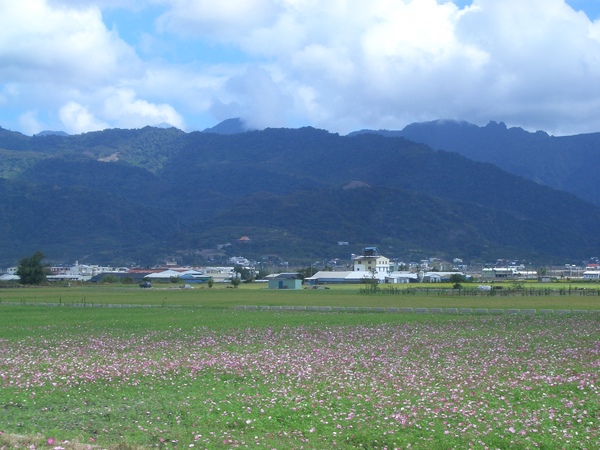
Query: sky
{"x": 340, "y": 65}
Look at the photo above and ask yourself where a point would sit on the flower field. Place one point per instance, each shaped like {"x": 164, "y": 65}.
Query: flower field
{"x": 198, "y": 378}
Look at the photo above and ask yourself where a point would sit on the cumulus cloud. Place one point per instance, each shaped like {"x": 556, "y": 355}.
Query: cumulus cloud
{"x": 340, "y": 64}
{"x": 115, "y": 108}
{"x": 78, "y": 119}
{"x": 257, "y": 98}
{"x": 40, "y": 44}
{"x": 125, "y": 110}
{"x": 382, "y": 63}
{"x": 59, "y": 57}
{"x": 29, "y": 122}
{"x": 219, "y": 20}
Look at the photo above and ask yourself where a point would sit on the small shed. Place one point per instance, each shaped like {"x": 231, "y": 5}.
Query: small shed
{"x": 286, "y": 281}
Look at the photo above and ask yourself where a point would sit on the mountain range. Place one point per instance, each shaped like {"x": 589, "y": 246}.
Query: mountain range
{"x": 137, "y": 196}
{"x": 567, "y": 163}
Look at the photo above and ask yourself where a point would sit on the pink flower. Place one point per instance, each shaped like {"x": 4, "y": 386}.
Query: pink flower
{"x": 50, "y": 441}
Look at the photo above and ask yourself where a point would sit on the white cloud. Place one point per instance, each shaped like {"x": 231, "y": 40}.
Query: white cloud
{"x": 257, "y": 98}
{"x": 533, "y": 64}
{"x": 337, "y": 64}
{"x": 385, "y": 63}
{"x": 118, "y": 108}
{"x": 60, "y": 57}
{"x": 102, "y": 4}
{"x": 9, "y": 92}
{"x": 29, "y": 123}
{"x": 40, "y": 44}
{"x": 221, "y": 20}
{"x": 126, "y": 111}
{"x": 78, "y": 119}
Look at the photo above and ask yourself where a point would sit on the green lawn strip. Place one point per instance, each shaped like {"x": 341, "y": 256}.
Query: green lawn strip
{"x": 34, "y": 321}
{"x": 259, "y": 295}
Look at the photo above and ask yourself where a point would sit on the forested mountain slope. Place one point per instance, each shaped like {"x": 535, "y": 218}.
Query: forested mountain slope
{"x": 295, "y": 192}
{"x": 568, "y": 163}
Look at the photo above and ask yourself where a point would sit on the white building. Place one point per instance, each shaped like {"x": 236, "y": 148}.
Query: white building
{"x": 371, "y": 261}
{"x": 507, "y": 273}
{"x": 591, "y": 275}
{"x": 401, "y": 277}
{"x": 81, "y": 272}
{"x": 344, "y": 277}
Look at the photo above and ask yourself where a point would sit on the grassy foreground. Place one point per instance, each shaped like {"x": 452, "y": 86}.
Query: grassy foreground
{"x": 212, "y": 377}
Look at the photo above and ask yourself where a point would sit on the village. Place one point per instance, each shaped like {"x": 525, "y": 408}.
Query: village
{"x": 366, "y": 267}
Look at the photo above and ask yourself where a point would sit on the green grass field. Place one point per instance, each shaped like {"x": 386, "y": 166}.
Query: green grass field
{"x": 205, "y": 375}
{"x": 223, "y": 296}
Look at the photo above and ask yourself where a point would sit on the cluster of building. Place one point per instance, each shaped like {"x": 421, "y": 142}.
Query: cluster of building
{"x": 92, "y": 272}
{"x": 508, "y": 273}
{"x": 370, "y": 266}
{"x": 192, "y": 275}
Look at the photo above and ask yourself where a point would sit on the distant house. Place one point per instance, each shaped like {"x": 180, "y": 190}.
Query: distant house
{"x": 507, "y": 273}
{"x": 432, "y": 277}
{"x": 371, "y": 261}
{"x": 220, "y": 274}
{"x": 286, "y": 281}
{"x": 591, "y": 275}
{"x": 498, "y": 273}
{"x": 439, "y": 277}
{"x": 401, "y": 277}
{"x": 343, "y": 277}
{"x": 83, "y": 272}
{"x": 367, "y": 266}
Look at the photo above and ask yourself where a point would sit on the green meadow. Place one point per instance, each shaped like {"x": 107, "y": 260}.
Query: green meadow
{"x": 584, "y": 296}
{"x": 192, "y": 371}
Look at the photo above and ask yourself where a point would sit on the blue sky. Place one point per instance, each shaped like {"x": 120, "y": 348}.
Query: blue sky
{"x": 341, "y": 65}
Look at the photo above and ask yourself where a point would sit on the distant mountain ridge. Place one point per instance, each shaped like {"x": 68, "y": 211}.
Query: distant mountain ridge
{"x": 173, "y": 193}
{"x": 51, "y": 133}
{"x": 567, "y": 163}
{"x": 229, "y": 126}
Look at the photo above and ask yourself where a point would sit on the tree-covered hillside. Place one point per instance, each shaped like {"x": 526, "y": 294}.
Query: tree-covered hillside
{"x": 295, "y": 192}
{"x": 568, "y": 163}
